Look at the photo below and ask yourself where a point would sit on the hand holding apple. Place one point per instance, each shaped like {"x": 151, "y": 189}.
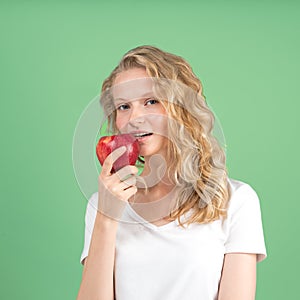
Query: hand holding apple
{"x": 114, "y": 190}
{"x": 107, "y": 144}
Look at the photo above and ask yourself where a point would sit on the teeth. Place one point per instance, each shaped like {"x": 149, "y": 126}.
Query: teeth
{"x": 140, "y": 134}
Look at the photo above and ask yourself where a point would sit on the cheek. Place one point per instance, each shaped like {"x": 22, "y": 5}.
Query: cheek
{"x": 160, "y": 125}
{"x": 121, "y": 122}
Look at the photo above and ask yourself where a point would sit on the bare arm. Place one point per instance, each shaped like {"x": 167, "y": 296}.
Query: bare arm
{"x": 98, "y": 274}
{"x": 238, "y": 280}
{"x": 97, "y": 277}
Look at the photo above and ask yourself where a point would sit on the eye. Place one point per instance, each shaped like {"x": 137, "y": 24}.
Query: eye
{"x": 123, "y": 107}
{"x": 151, "y": 102}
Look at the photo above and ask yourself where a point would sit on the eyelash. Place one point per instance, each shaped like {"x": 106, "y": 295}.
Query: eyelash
{"x": 151, "y": 100}
{"x": 121, "y": 107}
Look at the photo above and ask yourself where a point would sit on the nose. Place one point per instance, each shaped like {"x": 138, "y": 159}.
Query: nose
{"x": 137, "y": 117}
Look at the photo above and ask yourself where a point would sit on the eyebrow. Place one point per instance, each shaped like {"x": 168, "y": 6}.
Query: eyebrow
{"x": 146, "y": 95}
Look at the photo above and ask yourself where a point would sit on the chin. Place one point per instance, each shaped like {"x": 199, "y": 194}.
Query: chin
{"x": 147, "y": 153}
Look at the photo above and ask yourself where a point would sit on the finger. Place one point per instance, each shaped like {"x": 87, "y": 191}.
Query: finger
{"x": 127, "y": 171}
{"x": 111, "y": 158}
{"x": 118, "y": 188}
{"x": 131, "y": 181}
{"x": 129, "y": 192}
{"x": 128, "y": 175}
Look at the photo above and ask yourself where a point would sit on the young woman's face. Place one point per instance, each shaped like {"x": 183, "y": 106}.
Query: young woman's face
{"x": 139, "y": 113}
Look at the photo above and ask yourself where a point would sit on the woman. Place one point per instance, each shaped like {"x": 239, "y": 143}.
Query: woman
{"x": 183, "y": 229}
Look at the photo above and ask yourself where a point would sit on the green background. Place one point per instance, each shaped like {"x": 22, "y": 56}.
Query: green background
{"x": 54, "y": 57}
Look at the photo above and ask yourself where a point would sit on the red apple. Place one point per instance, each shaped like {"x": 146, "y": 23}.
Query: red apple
{"x": 107, "y": 144}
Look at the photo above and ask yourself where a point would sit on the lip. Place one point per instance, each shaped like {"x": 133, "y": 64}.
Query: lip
{"x": 139, "y": 135}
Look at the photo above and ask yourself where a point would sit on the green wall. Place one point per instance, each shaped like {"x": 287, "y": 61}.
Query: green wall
{"x": 54, "y": 57}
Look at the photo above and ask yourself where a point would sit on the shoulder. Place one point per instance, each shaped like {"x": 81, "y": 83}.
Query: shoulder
{"x": 239, "y": 186}
{"x": 92, "y": 201}
{"x": 243, "y": 226}
{"x": 242, "y": 195}
{"x": 92, "y": 206}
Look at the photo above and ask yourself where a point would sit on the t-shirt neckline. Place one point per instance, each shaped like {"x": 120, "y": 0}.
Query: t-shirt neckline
{"x": 148, "y": 224}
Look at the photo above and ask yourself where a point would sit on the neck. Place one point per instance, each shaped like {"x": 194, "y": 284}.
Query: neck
{"x": 154, "y": 182}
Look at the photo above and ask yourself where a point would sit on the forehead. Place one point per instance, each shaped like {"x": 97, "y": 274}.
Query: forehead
{"x": 130, "y": 74}
{"x": 132, "y": 84}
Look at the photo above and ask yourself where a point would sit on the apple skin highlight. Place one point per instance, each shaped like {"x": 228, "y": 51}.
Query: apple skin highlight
{"x": 107, "y": 144}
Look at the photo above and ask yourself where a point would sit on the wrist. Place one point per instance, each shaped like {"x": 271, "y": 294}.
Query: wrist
{"x": 105, "y": 221}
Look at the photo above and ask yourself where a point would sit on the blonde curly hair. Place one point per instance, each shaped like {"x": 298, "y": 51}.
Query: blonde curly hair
{"x": 197, "y": 161}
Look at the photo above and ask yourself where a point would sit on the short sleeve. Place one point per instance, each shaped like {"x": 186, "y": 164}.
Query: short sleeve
{"x": 90, "y": 216}
{"x": 245, "y": 229}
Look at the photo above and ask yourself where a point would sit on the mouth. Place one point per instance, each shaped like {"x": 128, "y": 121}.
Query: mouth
{"x": 141, "y": 135}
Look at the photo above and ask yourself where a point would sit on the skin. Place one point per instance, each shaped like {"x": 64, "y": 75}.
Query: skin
{"x": 143, "y": 114}
{"x": 238, "y": 279}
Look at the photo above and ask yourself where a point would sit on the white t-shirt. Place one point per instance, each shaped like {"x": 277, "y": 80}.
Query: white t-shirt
{"x": 170, "y": 262}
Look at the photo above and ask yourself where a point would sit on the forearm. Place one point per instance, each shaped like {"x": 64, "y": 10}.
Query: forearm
{"x": 97, "y": 277}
